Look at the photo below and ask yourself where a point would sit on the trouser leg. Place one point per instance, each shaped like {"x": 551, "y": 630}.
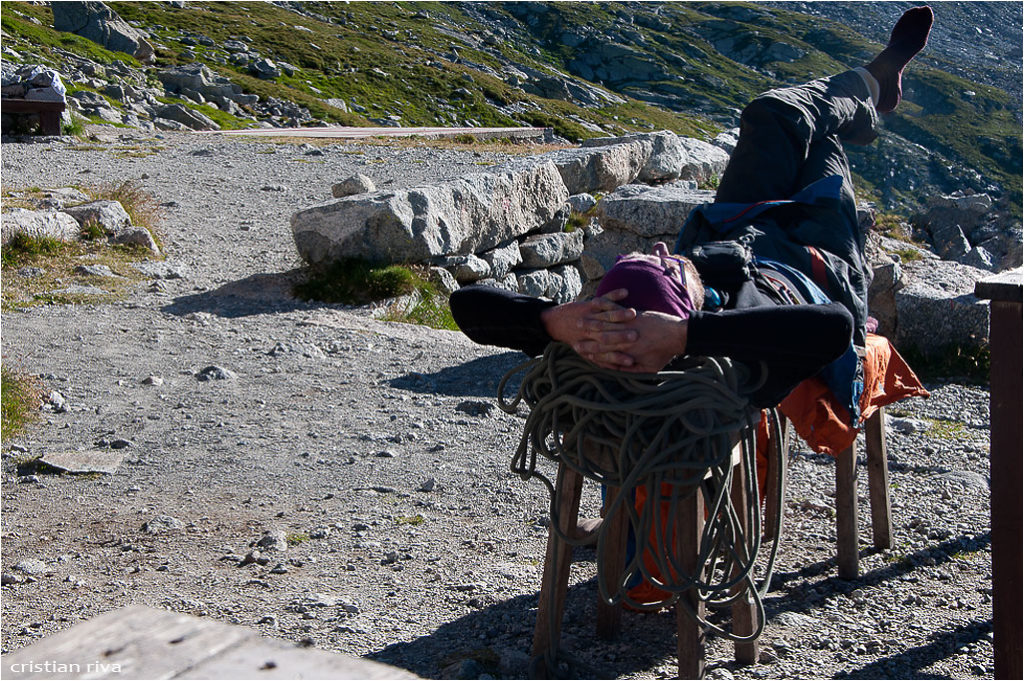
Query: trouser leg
{"x": 789, "y": 136}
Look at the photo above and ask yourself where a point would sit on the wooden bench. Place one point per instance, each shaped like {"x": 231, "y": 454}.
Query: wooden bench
{"x": 49, "y": 112}
{"x": 137, "y": 642}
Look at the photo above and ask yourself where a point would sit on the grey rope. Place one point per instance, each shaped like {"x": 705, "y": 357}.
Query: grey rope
{"x": 674, "y": 428}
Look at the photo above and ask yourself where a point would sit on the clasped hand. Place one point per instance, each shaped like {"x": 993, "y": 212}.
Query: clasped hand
{"x": 616, "y": 337}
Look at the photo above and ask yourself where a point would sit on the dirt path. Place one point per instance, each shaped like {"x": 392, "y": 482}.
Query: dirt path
{"x": 366, "y": 464}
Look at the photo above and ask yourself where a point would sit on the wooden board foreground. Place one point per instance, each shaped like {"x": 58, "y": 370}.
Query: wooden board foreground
{"x": 137, "y": 642}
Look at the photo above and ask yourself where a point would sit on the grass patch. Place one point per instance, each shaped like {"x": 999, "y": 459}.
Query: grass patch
{"x": 970, "y": 363}
{"x": 54, "y": 266}
{"x": 353, "y": 281}
{"x": 73, "y": 127}
{"x": 907, "y": 254}
{"x": 19, "y": 401}
{"x": 296, "y": 538}
{"x": 431, "y": 310}
{"x": 25, "y": 250}
{"x": 141, "y": 206}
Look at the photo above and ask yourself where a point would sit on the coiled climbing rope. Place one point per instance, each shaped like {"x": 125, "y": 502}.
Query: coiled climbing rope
{"x": 671, "y": 433}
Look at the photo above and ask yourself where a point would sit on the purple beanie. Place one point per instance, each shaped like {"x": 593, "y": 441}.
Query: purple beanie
{"x": 650, "y": 287}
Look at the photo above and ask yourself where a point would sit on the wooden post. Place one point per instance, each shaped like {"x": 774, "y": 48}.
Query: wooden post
{"x": 558, "y": 557}
{"x": 847, "y": 556}
{"x": 878, "y": 480}
{"x": 611, "y": 562}
{"x": 690, "y": 634}
{"x": 1006, "y": 456}
{"x": 744, "y": 614}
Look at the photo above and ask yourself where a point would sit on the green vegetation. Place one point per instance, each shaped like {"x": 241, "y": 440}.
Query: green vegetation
{"x": 57, "y": 262}
{"x": 970, "y": 363}
{"x": 359, "y": 282}
{"x": 30, "y": 24}
{"x": 24, "y": 250}
{"x": 72, "y": 128}
{"x": 140, "y": 205}
{"x": 356, "y": 282}
{"x": 19, "y": 401}
{"x": 296, "y": 538}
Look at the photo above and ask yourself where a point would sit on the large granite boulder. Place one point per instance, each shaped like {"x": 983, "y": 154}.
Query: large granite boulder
{"x": 472, "y": 214}
{"x": 100, "y": 24}
{"x": 635, "y": 217}
{"x": 704, "y": 162}
{"x": 936, "y": 308}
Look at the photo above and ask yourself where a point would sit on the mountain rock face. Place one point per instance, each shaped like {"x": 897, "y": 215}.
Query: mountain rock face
{"x": 100, "y": 24}
{"x": 700, "y": 59}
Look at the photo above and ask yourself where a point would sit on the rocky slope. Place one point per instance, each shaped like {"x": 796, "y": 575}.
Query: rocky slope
{"x": 586, "y": 70}
{"x": 344, "y": 482}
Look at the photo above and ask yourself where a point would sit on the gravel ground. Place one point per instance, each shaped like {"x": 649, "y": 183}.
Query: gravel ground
{"x": 348, "y": 484}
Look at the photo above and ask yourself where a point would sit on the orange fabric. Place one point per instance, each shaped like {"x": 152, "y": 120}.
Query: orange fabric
{"x": 645, "y": 592}
{"x": 825, "y": 424}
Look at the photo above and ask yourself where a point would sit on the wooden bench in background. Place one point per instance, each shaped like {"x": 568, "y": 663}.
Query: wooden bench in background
{"x": 49, "y": 112}
{"x": 137, "y": 642}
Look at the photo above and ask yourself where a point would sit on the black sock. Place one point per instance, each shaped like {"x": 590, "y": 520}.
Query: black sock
{"x": 909, "y": 37}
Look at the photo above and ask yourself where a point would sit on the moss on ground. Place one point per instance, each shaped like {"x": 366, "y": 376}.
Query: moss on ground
{"x": 19, "y": 401}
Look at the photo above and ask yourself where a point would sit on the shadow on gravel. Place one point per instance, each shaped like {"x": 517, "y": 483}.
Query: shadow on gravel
{"x": 496, "y": 641}
{"x": 256, "y": 294}
{"x": 798, "y": 598}
{"x": 478, "y": 378}
{"x": 908, "y": 664}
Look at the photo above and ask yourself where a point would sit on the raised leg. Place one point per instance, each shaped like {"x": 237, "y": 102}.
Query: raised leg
{"x": 556, "y": 563}
{"x": 846, "y": 513}
{"x": 690, "y": 634}
{"x": 878, "y": 480}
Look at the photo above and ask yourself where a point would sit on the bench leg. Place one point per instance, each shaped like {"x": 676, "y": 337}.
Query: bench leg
{"x": 744, "y": 614}
{"x": 49, "y": 122}
{"x": 846, "y": 513}
{"x": 878, "y": 480}
{"x": 690, "y": 634}
{"x": 555, "y": 581}
{"x": 612, "y": 561}
{"x": 773, "y": 503}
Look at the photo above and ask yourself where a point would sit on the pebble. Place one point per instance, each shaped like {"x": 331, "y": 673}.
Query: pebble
{"x": 95, "y": 271}
{"x": 215, "y": 373}
{"x": 30, "y": 566}
{"x": 273, "y": 540}
{"x": 161, "y": 524}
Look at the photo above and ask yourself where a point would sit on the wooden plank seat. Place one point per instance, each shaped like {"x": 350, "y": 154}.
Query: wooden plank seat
{"x": 49, "y": 112}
